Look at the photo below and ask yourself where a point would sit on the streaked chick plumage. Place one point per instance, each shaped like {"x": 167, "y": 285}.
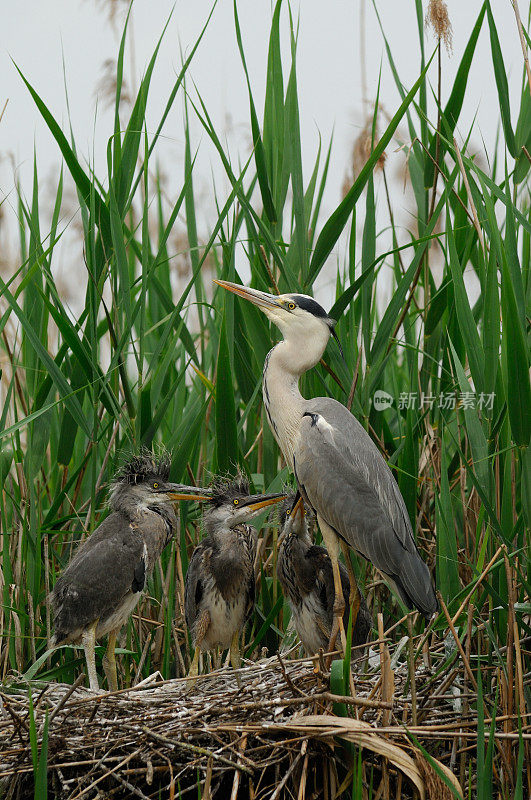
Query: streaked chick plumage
{"x": 304, "y": 571}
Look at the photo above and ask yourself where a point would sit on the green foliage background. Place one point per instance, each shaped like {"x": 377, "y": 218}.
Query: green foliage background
{"x": 134, "y": 369}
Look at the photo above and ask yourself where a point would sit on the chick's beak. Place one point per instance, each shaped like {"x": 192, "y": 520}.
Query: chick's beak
{"x": 257, "y": 502}
{"x": 179, "y": 491}
{"x": 260, "y": 299}
{"x": 298, "y": 508}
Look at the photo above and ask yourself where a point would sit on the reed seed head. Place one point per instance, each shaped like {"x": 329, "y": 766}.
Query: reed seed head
{"x": 437, "y": 18}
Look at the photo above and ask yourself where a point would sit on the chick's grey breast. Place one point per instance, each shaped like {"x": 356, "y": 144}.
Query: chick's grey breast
{"x": 221, "y": 582}
{"x": 107, "y": 575}
{"x": 342, "y": 475}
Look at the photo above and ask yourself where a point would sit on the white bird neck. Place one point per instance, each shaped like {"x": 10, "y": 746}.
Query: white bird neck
{"x": 284, "y": 403}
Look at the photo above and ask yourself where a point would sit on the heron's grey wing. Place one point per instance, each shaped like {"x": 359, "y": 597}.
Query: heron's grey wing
{"x": 346, "y": 480}
{"x": 194, "y": 583}
{"x": 105, "y": 568}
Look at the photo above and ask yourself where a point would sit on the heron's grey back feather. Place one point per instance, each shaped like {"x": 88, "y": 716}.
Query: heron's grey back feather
{"x": 346, "y": 480}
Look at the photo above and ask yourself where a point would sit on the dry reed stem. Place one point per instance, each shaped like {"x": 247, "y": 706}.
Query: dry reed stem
{"x": 457, "y": 642}
{"x": 522, "y": 42}
{"x": 259, "y": 729}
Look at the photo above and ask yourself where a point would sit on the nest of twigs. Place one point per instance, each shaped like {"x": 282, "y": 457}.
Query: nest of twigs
{"x": 279, "y": 733}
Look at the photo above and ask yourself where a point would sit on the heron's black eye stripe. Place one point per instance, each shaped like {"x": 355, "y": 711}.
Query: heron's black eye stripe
{"x": 309, "y": 304}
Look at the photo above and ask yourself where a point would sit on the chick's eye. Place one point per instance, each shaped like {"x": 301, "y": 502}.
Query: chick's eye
{"x": 291, "y": 306}
{"x": 236, "y": 501}
{"x": 155, "y": 485}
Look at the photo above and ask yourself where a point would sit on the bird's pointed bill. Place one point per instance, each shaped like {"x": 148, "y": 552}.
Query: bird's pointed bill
{"x": 298, "y": 508}
{"x": 179, "y": 491}
{"x": 258, "y": 298}
{"x": 257, "y": 502}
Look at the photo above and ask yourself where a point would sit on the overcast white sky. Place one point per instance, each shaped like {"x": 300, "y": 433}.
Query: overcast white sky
{"x": 38, "y": 35}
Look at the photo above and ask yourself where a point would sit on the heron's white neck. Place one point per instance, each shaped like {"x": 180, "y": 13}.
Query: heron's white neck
{"x": 284, "y": 403}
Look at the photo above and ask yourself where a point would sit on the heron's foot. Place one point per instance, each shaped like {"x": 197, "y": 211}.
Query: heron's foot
{"x": 193, "y": 672}
{"x": 235, "y": 656}
{"x": 89, "y": 645}
{"x": 109, "y": 663}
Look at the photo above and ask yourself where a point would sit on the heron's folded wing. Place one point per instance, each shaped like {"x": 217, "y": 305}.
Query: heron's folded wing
{"x": 193, "y": 585}
{"x": 103, "y": 570}
{"x": 354, "y": 444}
{"x": 347, "y": 481}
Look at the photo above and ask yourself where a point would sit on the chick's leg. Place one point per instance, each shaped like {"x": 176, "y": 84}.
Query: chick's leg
{"x": 200, "y": 630}
{"x": 234, "y": 654}
{"x": 109, "y": 662}
{"x": 89, "y": 644}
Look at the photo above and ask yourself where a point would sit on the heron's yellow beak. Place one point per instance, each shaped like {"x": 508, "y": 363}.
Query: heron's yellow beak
{"x": 260, "y": 299}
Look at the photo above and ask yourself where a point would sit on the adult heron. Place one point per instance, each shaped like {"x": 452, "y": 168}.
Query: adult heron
{"x": 339, "y": 470}
{"x": 103, "y": 582}
{"x": 220, "y": 581}
{"x": 304, "y": 571}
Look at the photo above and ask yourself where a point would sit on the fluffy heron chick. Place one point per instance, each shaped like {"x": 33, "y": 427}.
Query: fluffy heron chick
{"x": 304, "y": 571}
{"x": 103, "y": 582}
{"x": 220, "y": 582}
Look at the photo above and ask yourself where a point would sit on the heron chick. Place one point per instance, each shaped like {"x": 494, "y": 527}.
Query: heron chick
{"x": 103, "y": 582}
{"x": 340, "y": 473}
{"x": 304, "y": 571}
{"x": 220, "y": 582}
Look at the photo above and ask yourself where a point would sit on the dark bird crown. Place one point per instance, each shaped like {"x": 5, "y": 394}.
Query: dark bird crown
{"x": 144, "y": 467}
{"x": 284, "y": 508}
{"x": 226, "y": 489}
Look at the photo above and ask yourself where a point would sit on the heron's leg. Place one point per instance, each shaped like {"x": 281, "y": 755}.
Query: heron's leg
{"x": 89, "y": 643}
{"x": 200, "y": 630}
{"x": 234, "y": 653}
{"x": 332, "y": 545}
{"x": 109, "y": 662}
{"x": 355, "y": 595}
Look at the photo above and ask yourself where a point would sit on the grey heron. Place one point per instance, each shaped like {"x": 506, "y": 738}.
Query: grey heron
{"x": 103, "y": 582}
{"x": 220, "y": 581}
{"x": 339, "y": 470}
{"x": 304, "y": 571}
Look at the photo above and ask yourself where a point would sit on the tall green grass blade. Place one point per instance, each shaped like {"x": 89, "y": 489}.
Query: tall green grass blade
{"x": 515, "y": 363}
{"x": 452, "y": 110}
{"x": 337, "y": 221}
{"x": 226, "y": 429}
{"x": 501, "y": 83}
{"x": 259, "y": 153}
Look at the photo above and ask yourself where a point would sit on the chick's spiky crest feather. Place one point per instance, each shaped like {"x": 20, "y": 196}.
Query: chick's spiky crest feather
{"x": 226, "y": 488}
{"x": 144, "y": 466}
